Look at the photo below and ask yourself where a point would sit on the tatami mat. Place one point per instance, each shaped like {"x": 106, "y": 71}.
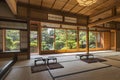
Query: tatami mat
{"x": 24, "y": 73}
{"x": 74, "y": 67}
{"x": 67, "y": 58}
{"x": 112, "y": 62}
{"x": 117, "y": 57}
{"x": 24, "y": 63}
{"x": 110, "y": 73}
{"x": 107, "y": 53}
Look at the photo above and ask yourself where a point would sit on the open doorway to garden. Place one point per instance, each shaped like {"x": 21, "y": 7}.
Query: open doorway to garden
{"x": 34, "y": 42}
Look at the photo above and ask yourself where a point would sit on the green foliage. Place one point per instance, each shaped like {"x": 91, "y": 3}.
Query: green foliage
{"x": 9, "y": 43}
{"x": 64, "y": 48}
{"x": 44, "y": 46}
{"x": 33, "y": 43}
{"x": 59, "y": 44}
{"x": 12, "y": 40}
{"x": 65, "y": 39}
{"x": 47, "y": 38}
{"x": 71, "y": 44}
{"x": 92, "y": 40}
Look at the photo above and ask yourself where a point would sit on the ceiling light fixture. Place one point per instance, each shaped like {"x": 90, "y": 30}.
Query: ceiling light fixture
{"x": 86, "y": 2}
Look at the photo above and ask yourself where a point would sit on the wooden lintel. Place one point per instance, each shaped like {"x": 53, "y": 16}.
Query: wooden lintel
{"x": 104, "y": 20}
{"x": 105, "y": 28}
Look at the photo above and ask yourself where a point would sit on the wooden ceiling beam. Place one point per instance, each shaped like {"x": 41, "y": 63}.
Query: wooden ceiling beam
{"x": 96, "y": 6}
{"x": 53, "y": 4}
{"x": 116, "y": 4}
{"x": 73, "y": 7}
{"x": 64, "y": 4}
{"x": 112, "y": 18}
{"x": 41, "y": 2}
{"x": 12, "y": 5}
{"x": 80, "y": 10}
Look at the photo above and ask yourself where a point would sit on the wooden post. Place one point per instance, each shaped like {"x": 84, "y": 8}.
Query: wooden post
{"x": 96, "y": 36}
{"x": 39, "y": 38}
{"x": 4, "y": 39}
{"x": 77, "y": 37}
{"x": 115, "y": 40}
{"x": 87, "y": 38}
{"x": 114, "y": 13}
{"x": 28, "y": 28}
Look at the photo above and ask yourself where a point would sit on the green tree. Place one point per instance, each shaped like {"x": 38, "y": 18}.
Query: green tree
{"x": 12, "y": 40}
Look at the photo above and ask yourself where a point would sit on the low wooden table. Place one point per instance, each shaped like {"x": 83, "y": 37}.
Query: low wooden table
{"x": 85, "y": 55}
{"x": 39, "y": 59}
{"x": 51, "y": 58}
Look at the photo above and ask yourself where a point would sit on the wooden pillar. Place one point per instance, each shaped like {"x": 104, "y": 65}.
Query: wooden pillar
{"x": 39, "y": 38}
{"x": 114, "y": 13}
{"x": 28, "y": 29}
{"x": 4, "y": 39}
{"x": 87, "y": 38}
{"x": 115, "y": 40}
{"x": 110, "y": 41}
{"x": 77, "y": 37}
{"x": 54, "y": 41}
{"x": 66, "y": 37}
{"x": 96, "y": 36}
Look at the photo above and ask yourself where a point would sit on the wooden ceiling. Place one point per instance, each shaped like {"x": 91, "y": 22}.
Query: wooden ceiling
{"x": 99, "y": 13}
{"x": 72, "y": 6}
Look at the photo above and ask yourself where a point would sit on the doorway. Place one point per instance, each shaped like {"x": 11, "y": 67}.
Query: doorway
{"x": 34, "y": 42}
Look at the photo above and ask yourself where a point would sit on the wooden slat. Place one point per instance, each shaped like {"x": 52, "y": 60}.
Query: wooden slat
{"x": 106, "y": 9}
{"x": 59, "y": 4}
{"x": 102, "y": 15}
{"x": 72, "y": 2}
{"x": 89, "y": 8}
{"x": 47, "y": 3}
{"x": 53, "y": 3}
{"x": 80, "y": 10}
{"x": 69, "y": 5}
{"x": 64, "y": 4}
{"x": 102, "y": 6}
{"x": 76, "y": 9}
{"x": 73, "y": 7}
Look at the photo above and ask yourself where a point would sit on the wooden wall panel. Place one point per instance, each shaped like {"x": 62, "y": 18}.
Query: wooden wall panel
{"x": 1, "y": 40}
{"x": 23, "y": 41}
{"x": 82, "y": 20}
{"x": 38, "y": 14}
{"x": 106, "y": 40}
{"x": 22, "y": 11}
{"x": 117, "y": 40}
{"x": 113, "y": 39}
